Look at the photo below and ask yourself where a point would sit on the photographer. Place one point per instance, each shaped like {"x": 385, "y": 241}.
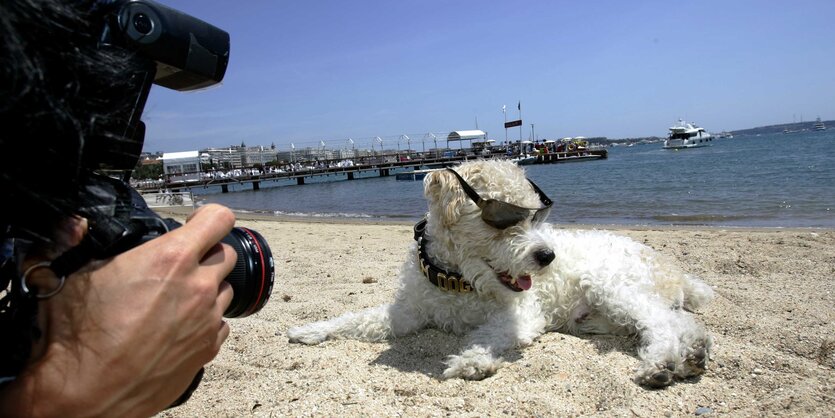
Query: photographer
{"x": 122, "y": 336}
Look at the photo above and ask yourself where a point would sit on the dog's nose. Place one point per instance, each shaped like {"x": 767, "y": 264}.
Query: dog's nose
{"x": 544, "y": 257}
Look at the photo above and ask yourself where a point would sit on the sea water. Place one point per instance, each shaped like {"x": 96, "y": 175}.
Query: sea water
{"x": 779, "y": 180}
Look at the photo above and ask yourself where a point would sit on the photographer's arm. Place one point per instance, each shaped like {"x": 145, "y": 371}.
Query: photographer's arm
{"x": 126, "y": 337}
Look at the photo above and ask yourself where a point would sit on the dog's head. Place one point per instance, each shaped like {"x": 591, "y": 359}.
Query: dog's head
{"x": 494, "y": 258}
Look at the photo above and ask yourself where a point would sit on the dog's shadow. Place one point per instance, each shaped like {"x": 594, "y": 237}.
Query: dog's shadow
{"x": 426, "y": 351}
{"x": 604, "y": 343}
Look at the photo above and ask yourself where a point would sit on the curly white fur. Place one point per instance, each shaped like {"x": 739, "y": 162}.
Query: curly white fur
{"x": 598, "y": 283}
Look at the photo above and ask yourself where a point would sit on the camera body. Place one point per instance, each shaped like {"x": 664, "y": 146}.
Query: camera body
{"x": 119, "y": 219}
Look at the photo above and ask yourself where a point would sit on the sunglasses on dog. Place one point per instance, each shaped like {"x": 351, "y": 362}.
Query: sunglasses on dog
{"x": 503, "y": 215}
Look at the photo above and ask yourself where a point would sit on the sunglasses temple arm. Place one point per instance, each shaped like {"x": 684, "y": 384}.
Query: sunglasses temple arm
{"x": 468, "y": 190}
{"x": 545, "y": 199}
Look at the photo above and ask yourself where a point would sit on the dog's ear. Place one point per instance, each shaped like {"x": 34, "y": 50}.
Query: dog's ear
{"x": 444, "y": 194}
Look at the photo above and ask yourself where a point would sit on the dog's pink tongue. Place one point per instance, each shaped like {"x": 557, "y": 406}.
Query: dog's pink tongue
{"x": 524, "y": 282}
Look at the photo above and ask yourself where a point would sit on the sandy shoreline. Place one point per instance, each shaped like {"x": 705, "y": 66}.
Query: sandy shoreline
{"x": 773, "y": 321}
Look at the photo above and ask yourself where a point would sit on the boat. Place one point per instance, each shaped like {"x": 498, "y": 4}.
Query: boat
{"x": 567, "y": 150}
{"x": 819, "y": 126}
{"x": 725, "y": 134}
{"x": 687, "y": 135}
{"x": 524, "y": 159}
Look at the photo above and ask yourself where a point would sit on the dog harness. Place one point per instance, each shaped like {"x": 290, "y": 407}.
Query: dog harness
{"x": 443, "y": 279}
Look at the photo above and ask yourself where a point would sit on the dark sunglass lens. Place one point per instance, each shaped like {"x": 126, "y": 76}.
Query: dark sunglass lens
{"x": 501, "y": 215}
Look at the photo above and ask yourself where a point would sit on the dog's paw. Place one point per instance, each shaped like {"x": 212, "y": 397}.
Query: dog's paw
{"x": 696, "y": 356}
{"x": 307, "y": 334}
{"x": 473, "y": 364}
{"x": 656, "y": 376}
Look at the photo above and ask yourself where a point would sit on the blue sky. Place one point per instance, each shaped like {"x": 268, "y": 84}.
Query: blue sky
{"x": 308, "y": 71}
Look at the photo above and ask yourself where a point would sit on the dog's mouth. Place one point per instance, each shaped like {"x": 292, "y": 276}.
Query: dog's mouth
{"x": 517, "y": 284}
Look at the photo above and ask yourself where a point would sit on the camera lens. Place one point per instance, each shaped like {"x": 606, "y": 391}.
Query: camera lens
{"x": 253, "y": 275}
{"x": 142, "y": 23}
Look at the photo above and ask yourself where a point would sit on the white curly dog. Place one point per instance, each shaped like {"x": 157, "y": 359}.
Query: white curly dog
{"x": 485, "y": 265}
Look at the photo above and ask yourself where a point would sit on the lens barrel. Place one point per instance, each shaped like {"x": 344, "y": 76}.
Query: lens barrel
{"x": 253, "y": 275}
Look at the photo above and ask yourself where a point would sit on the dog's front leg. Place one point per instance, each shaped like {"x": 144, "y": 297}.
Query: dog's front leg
{"x": 482, "y": 357}
{"x": 373, "y": 324}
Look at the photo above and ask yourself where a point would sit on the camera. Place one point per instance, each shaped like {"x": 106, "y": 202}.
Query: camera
{"x": 171, "y": 49}
{"x": 119, "y": 219}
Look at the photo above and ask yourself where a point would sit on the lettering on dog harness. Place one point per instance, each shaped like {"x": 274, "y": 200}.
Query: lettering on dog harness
{"x": 443, "y": 279}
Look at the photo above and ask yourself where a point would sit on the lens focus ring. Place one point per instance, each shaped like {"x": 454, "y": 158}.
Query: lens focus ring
{"x": 253, "y": 275}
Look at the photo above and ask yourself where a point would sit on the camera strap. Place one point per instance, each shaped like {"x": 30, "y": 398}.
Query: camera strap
{"x": 73, "y": 259}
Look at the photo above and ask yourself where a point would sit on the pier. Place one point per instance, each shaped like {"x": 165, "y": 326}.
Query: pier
{"x": 381, "y": 166}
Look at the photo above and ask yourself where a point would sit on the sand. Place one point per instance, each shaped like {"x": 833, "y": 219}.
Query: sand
{"x": 773, "y": 322}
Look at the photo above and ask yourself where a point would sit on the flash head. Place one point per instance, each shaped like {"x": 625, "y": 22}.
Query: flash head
{"x": 189, "y": 53}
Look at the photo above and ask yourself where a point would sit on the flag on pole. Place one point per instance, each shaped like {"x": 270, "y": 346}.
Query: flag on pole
{"x": 519, "y": 106}
{"x": 504, "y": 108}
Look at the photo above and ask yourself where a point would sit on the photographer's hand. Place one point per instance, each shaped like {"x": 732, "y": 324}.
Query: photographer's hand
{"x": 126, "y": 337}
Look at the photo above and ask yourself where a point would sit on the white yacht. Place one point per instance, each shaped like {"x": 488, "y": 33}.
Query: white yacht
{"x": 687, "y": 135}
{"x": 819, "y": 126}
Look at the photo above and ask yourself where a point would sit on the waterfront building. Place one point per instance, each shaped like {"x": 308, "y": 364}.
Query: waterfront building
{"x": 224, "y": 157}
{"x": 257, "y": 155}
{"x": 181, "y": 166}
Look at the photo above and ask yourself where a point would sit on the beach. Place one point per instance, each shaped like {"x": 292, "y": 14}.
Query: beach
{"x": 772, "y": 321}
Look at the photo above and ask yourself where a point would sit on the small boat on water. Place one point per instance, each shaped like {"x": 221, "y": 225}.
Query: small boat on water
{"x": 524, "y": 159}
{"x": 687, "y": 135}
{"x": 725, "y": 134}
{"x": 819, "y": 126}
{"x": 568, "y": 150}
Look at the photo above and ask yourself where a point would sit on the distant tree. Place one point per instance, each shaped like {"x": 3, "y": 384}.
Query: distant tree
{"x": 147, "y": 171}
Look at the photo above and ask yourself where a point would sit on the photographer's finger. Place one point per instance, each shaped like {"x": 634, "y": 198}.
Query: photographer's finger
{"x": 220, "y": 253}
{"x": 206, "y": 227}
{"x": 224, "y": 296}
{"x": 218, "y": 262}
